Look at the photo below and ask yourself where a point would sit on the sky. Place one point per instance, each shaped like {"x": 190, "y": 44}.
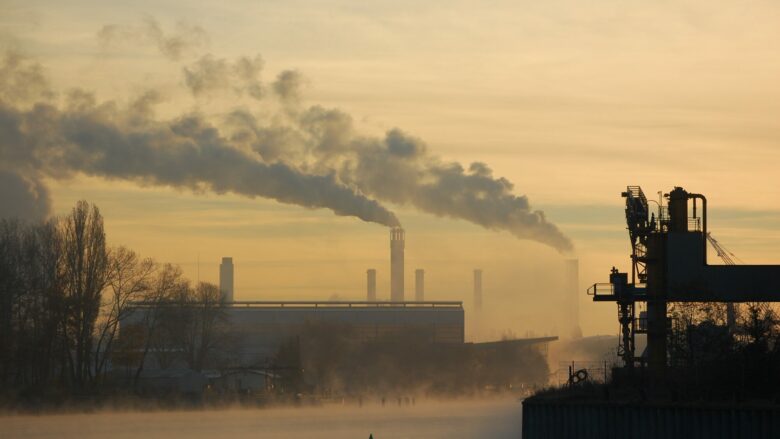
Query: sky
{"x": 569, "y": 101}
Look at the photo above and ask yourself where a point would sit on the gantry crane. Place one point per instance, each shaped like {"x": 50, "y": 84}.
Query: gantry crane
{"x": 728, "y": 258}
{"x": 669, "y": 264}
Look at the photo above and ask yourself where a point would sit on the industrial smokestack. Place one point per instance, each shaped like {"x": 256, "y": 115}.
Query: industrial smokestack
{"x": 478, "y": 289}
{"x": 396, "y": 264}
{"x": 371, "y": 285}
{"x": 571, "y": 298}
{"x": 226, "y": 279}
{"x": 419, "y": 285}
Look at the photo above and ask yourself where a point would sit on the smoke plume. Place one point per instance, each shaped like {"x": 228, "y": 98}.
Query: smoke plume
{"x": 23, "y": 197}
{"x": 187, "y": 152}
{"x": 307, "y": 156}
{"x": 396, "y": 168}
{"x": 185, "y": 38}
{"x": 209, "y": 75}
{"x": 288, "y": 86}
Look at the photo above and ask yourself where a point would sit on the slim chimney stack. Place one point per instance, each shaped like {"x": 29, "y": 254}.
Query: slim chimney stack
{"x": 396, "y": 264}
{"x": 571, "y": 298}
{"x": 478, "y": 289}
{"x": 371, "y": 285}
{"x": 226, "y": 279}
{"x": 419, "y": 285}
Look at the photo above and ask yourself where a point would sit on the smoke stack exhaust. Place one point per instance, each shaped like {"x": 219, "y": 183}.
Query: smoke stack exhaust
{"x": 226, "y": 279}
{"x": 478, "y": 289}
{"x": 571, "y": 298}
{"x": 397, "y": 264}
{"x": 419, "y": 285}
{"x": 371, "y": 285}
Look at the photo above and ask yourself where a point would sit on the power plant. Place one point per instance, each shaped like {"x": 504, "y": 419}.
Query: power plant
{"x": 260, "y": 329}
{"x": 397, "y": 242}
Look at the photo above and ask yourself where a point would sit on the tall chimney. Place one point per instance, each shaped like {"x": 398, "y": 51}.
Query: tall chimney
{"x": 396, "y": 264}
{"x": 226, "y": 279}
{"x": 419, "y": 285}
{"x": 571, "y": 298}
{"x": 478, "y": 289}
{"x": 371, "y": 285}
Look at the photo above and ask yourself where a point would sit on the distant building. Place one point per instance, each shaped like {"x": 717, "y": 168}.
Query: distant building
{"x": 259, "y": 329}
{"x": 226, "y": 278}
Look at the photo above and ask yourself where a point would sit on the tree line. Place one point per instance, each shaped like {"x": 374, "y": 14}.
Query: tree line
{"x": 64, "y": 293}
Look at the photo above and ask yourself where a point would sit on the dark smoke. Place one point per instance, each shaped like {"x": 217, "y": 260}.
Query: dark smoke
{"x": 396, "y": 168}
{"x": 187, "y": 152}
{"x": 209, "y": 75}
{"x": 23, "y": 197}
{"x": 288, "y": 86}
{"x": 185, "y": 38}
{"x": 22, "y": 81}
{"x": 310, "y": 157}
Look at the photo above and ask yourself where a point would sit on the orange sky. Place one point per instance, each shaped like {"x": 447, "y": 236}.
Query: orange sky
{"x": 570, "y": 103}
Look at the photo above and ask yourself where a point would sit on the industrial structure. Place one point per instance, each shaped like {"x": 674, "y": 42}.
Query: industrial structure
{"x": 260, "y": 328}
{"x": 419, "y": 285}
{"x": 478, "y": 289}
{"x": 669, "y": 264}
{"x": 397, "y": 242}
{"x": 571, "y": 298}
{"x": 226, "y": 278}
{"x": 250, "y": 336}
{"x": 371, "y": 285}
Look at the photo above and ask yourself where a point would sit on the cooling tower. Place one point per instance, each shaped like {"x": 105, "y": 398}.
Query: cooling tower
{"x": 226, "y": 278}
{"x": 371, "y": 285}
{"x": 396, "y": 264}
{"x": 419, "y": 285}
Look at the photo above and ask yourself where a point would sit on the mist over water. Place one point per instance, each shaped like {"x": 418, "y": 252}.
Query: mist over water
{"x": 495, "y": 419}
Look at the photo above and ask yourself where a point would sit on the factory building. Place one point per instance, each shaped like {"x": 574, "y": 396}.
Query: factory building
{"x": 267, "y": 325}
{"x": 260, "y": 328}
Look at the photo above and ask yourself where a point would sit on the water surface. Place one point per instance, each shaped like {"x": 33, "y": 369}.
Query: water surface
{"x": 497, "y": 419}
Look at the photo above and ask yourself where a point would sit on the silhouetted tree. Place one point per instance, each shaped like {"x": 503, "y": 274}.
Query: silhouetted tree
{"x": 85, "y": 274}
{"x": 164, "y": 288}
{"x": 129, "y": 280}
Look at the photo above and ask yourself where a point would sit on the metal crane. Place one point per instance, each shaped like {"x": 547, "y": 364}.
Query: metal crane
{"x": 728, "y": 258}
{"x": 669, "y": 264}
{"x": 723, "y": 253}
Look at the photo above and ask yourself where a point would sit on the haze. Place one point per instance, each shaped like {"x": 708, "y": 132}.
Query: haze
{"x": 570, "y": 103}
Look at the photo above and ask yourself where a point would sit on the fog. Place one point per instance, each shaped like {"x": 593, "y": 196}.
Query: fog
{"x": 494, "y": 419}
